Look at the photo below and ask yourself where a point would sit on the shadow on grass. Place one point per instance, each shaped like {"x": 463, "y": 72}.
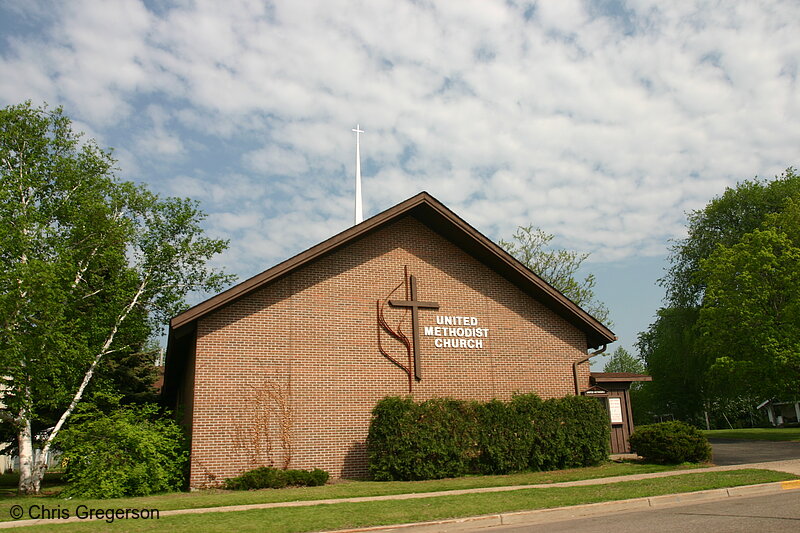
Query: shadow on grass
{"x": 52, "y": 484}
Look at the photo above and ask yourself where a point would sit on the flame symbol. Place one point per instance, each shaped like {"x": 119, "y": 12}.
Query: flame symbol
{"x": 395, "y": 332}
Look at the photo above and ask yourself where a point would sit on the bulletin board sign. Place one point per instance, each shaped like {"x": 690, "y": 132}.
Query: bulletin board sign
{"x": 615, "y": 410}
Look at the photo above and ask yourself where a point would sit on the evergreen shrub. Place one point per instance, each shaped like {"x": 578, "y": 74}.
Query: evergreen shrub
{"x": 266, "y": 477}
{"x": 428, "y": 440}
{"x": 504, "y": 438}
{"x": 671, "y": 443}
{"x": 448, "y": 438}
{"x": 582, "y": 431}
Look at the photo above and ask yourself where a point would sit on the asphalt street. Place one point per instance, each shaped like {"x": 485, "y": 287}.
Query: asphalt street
{"x": 737, "y": 452}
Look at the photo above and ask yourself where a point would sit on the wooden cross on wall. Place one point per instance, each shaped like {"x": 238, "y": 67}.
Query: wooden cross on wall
{"x": 415, "y": 305}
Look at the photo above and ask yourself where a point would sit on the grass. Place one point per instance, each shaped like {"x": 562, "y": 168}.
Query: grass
{"x": 348, "y": 515}
{"x": 51, "y": 484}
{"x": 778, "y": 434}
{"x": 345, "y": 489}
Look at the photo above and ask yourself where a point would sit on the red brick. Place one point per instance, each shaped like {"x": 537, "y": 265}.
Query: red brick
{"x": 315, "y": 331}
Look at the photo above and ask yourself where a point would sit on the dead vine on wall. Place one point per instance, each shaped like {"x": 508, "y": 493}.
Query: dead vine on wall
{"x": 265, "y": 436}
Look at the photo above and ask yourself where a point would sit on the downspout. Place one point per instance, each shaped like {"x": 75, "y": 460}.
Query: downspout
{"x": 580, "y": 362}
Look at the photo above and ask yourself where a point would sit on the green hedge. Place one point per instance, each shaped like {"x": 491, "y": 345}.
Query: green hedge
{"x": 671, "y": 443}
{"x": 273, "y": 478}
{"x": 449, "y": 438}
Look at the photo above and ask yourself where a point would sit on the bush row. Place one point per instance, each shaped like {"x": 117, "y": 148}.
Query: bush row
{"x": 273, "y": 478}
{"x": 448, "y": 438}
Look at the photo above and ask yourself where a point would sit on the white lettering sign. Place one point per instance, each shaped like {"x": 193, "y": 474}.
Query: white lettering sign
{"x": 450, "y": 332}
{"x": 456, "y": 320}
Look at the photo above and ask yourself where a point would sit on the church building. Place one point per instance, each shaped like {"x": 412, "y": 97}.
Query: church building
{"x": 285, "y": 368}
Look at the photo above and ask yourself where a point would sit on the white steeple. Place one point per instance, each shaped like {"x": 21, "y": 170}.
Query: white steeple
{"x": 359, "y": 215}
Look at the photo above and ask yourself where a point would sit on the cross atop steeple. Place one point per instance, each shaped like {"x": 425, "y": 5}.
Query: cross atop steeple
{"x": 359, "y": 214}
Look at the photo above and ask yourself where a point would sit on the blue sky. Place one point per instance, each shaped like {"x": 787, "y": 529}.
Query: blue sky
{"x": 601, "y": 122}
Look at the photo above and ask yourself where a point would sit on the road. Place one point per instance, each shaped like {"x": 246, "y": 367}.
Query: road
{"x": 734, "y": 452}
{"x": 764, "y": 514}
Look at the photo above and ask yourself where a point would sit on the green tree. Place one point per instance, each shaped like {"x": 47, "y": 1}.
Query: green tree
{"x": 668, "y": 349}
{"x": 87, "y": 262}
{"x": 131, "y": 373}
{"x": 724, "y": 221}
{"x": 749, "y": 321}
{"x": 531, "y": 247}
{"x": 622, "y": 361}
{"x": 698, "y": 371}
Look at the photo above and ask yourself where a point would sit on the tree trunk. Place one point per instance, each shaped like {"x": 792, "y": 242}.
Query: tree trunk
{"x": 30, "y": 472}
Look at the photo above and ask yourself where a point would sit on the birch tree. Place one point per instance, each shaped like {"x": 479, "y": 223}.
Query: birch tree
{"x": 83, "y": 256}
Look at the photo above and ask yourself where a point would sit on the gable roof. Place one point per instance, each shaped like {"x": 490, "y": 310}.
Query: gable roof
{"x": 429, "y": 211}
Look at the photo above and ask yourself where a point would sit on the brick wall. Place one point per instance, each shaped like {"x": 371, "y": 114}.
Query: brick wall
{"x": 291, "y": 372}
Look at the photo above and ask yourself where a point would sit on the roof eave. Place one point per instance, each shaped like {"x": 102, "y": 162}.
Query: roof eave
{"x": 598, "y": 377}
{"x": 439, "y": 218}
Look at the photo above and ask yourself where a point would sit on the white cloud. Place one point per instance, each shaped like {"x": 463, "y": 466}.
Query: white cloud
{"x": 159, "y": 140}
{"x": 600, "y": 122}
{"x": 274, "y": 159}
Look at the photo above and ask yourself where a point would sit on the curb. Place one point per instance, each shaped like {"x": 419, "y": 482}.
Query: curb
{"x": 557, "y": 514}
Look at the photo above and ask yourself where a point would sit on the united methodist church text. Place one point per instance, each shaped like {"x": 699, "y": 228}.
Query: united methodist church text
{"x": 464, "y": 337}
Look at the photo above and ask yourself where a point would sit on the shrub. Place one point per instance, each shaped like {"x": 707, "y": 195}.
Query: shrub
{"x": 272, "y": 478}
{"x": 448, "y": 438}
{"x": 583, "y": 431}
{"x": 130, "y": 451}
{"x": 567, "y": 432}
{"x": 671, "y": 442}
{"x": 505, "y": 438}
{"x": 429, "y": 440}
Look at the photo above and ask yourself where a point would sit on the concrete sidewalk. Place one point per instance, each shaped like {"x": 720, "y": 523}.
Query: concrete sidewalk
{"x": 558, "y": 514}
{"x": 790, "y": 466}
{"x": 542, "y": 516}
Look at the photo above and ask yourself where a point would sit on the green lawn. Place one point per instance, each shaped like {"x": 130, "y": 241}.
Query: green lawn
{"x": 784, "y": 434}
{"x": 347, "y": 515}
{"x": 341, "y": 489}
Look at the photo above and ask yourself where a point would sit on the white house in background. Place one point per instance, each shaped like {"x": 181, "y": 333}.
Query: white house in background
{"x": 782, "y": 413}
